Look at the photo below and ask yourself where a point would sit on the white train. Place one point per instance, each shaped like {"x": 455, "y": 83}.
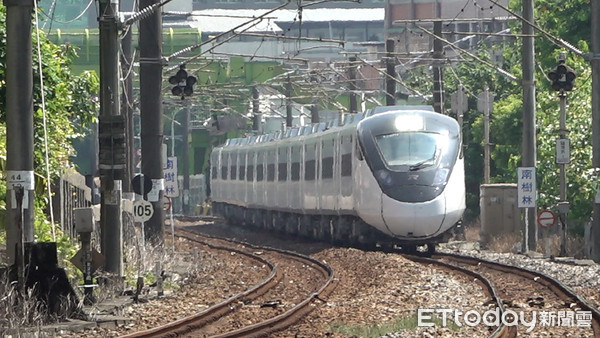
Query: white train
{"x": 394, "y": 174}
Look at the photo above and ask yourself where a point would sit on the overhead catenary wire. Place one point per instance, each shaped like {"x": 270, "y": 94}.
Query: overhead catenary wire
{"x": 556, "y": 40}
{"x": 194, "y": 47}
{"x": 500, "y": 70}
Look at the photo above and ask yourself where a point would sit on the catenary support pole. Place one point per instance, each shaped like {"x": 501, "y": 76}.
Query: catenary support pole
{"x": 110, "y": 128}
{"x": 529, "y": 135}
{"x": 438, "y": 74}
{"x": 352, "y": 76}
{"x": 257, "y": 116}
{"x": 390, "y": 74}
{"x": 127, "y": 107}
{"x": 289, "y": 119}
{"x": 486, "y": 136}
{"x": 595, "y": 61}
{"x": 314, "y": 114}
{"x": 19, "y": 129}
{"x": 150, "y": 45}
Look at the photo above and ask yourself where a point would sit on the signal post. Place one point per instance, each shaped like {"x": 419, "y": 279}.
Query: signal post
{"x": 562, "y": 78}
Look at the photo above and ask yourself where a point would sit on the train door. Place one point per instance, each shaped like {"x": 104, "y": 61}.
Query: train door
{"x": 327, "y": 191}
{"x": 345, "y": 171}
{"x": 310, "y": 196}
{"x": 250, "y": 177}
{"x": 296, "y": 189}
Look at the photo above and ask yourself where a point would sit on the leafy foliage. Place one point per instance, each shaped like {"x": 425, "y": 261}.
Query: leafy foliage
{"x": 506, "y": 118}
{"x": 70, "y": 102}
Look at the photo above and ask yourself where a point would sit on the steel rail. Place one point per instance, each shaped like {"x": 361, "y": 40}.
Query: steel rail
{"x": 489, "y": 289}
{"x": 213, "y": 313}
{"x": 559, "y": 289}
{"x": 292, "y": 315}
{"x": 189, "y": 324}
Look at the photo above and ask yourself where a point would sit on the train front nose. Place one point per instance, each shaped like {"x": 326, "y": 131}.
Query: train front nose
{"x": 413, "y": 220}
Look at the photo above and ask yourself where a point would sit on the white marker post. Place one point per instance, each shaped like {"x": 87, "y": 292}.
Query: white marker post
{"x": 546, "y": 219}
{"x": 171, "y": 190}
{"x": 142, "y": 212}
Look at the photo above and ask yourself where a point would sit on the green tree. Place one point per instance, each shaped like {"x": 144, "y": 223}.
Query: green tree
{"x": 570, "y": 22}
{"x": 71, "y": 105}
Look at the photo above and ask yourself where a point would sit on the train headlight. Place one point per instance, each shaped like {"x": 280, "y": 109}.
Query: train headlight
{"x": 409, "y": 123}
{"x": 441, "y": 175}
{"x": 384, "y": 177}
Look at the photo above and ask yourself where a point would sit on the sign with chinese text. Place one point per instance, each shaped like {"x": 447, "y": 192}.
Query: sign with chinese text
{"x": 526, "y": 187}
{"x": 171, "y": 184}
{"x": 563, "y": 152}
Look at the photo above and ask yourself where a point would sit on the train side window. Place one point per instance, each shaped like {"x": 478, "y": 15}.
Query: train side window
{"x": 250, "y": 173}
{"x": 270, "y": 172}
{"x": 327, "y": 167}
{"x": 233, "y": 172}
{"x": 259, "y": 172}
{"x": 346, "y": 165}
{"x": 213, "y": 172}
{"x": 296, "y": 171}
{"x": 309, "y": 170}
{"x": 242, "y": 172}
{"x": 282, "y": 172}
{"x": 224, "y": 172}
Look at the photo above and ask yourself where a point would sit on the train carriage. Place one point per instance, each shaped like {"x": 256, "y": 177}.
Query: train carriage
{"x": 394, "y": 174}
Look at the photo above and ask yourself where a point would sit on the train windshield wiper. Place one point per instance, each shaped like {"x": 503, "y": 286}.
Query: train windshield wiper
{"x": 422, "y": 164}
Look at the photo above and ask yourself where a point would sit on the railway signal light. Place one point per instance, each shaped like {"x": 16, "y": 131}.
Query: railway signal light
{"x": 184, "y": 84}
{"x": 562, "y": 77}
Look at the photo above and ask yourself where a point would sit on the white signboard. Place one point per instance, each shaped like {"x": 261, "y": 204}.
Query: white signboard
{"x": 526, "y": 187}
{"x": 171, "y": 184}
{"x": 563, "y": 151}
{"x": 157, "y": 186}
{"x": 142, "y": 211}
{"x": 19, "y": 179}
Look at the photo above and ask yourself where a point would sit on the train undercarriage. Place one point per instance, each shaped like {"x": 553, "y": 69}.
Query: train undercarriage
{"x": 345, "y": 230}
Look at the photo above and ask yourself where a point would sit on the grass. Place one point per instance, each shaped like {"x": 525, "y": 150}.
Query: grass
{"x": 374, "y": 330}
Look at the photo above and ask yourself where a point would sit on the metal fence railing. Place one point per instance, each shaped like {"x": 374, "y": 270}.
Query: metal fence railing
{"x": 72, "y": 193}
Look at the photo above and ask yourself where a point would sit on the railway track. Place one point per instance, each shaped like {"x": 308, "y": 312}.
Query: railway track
{"x": 507, "y": 288}
{"x": 557, "y": 310}
{"x": 237, "y": 316}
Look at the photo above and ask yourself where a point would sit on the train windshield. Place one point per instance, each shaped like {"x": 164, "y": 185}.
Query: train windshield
{"x": 416, "y": 150}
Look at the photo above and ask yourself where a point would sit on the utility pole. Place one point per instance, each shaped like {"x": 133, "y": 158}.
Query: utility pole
{"x": 595, "y": 61}
{"x": 459, "y": 105}
{"x": 438, "y": 78}
{"x": 390, "y": 74}
{"x": 314, "y": 114}
{"x": 352, "y": 75}
{"x": 256, "y": 110}
{"x": 529, "y": 135}
{"x": 185, "y": 162}
{"x": 19, "y": 131}
{"x": 484, "y": 105}
{"x": 127, "y": 105}
{"x": 111, "y": 135}
{"x": 288, "y": 104}
{"x": 151, "y": 64}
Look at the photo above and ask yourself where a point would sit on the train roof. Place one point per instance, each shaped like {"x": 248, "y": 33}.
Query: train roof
{"x": 383, "y": 109}
{"x": 347, "y": 120}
